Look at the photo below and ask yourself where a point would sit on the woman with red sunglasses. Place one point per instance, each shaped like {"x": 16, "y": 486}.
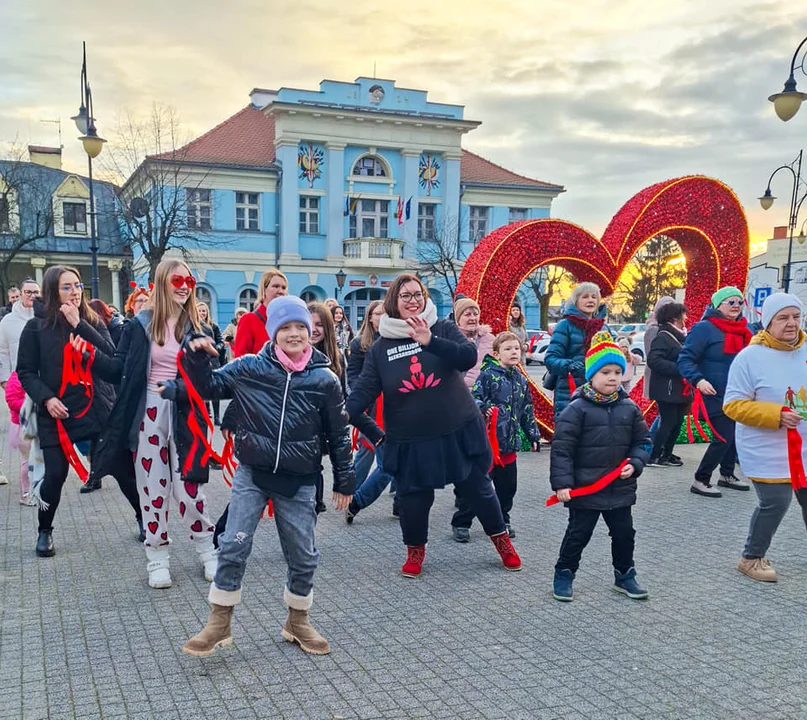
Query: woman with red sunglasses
{"x": 169, "y": 457}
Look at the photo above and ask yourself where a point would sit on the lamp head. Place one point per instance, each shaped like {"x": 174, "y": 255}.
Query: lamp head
{"x": 787, "y": 103}
{"x": 91, "y": 142}
{"x": 81, "y": 119}
{"x": 801, "y": 238}
{"x": 340, "y": 279}
{"x": 767, "y": 200}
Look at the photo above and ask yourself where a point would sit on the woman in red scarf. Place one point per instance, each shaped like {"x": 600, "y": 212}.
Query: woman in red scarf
{"x": 252, "y": 335}
{"x": 704, "y": 362}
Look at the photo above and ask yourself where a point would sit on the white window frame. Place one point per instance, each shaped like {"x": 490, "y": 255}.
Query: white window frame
{"x": 427, "y": 215}
{"x": 519, "y": 213}
{"x": 309, "y": 216}
{"x": 75, "y": 230}
{"x": 5, "y": 213}
{"x": 248, "y": 304}
{"x": 378, "y": 216}
{"x": 362, "y": 163}
{"x": 247, "y": 212}
{"x": 199, "y": 206}
{"x": 478, "y": 225}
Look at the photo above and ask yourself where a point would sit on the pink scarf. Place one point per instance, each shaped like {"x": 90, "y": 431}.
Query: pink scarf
{"x": 297, "y": 365}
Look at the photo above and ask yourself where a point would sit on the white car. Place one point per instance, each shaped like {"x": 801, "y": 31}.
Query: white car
{"x": 539, "y": 346}
{"x": 631, "y": 329}
{"x": 637, "y": 345}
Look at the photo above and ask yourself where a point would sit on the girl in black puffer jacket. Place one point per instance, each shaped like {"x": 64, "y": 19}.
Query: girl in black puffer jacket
{"x": 289, "y": 403}
{"x": 600, "y": 429}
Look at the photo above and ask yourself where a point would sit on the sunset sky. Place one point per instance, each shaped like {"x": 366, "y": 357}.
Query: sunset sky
{"x": 603, "y": 97}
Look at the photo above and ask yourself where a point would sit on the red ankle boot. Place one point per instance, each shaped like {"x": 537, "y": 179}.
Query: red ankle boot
{"x": 415, "y": 555}
{"x": 510, "y": 558}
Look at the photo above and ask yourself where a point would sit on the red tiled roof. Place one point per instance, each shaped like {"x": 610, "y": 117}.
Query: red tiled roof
{"x": 246, "y": 138}
{"x": 476, "y": 169}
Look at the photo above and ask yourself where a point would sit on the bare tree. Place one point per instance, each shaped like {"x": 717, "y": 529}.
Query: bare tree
{"x": 152, "y": 154}
{"x": 26, "y": 210}
{"x": 439, "y": 252}
{"x": 545, "y": 282}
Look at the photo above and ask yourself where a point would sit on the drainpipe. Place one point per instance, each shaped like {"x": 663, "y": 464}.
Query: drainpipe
{"x": 278, "y": 205}
{"x": 459, "y": 223}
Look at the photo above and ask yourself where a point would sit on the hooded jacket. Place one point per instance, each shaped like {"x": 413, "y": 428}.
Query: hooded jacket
{"x": 284, "y": 417}
{"x": 666, "y": 383}
{"x": 506, "y": 389}
{"x": 590, "y": 440}
{"x": 11, "y": 327}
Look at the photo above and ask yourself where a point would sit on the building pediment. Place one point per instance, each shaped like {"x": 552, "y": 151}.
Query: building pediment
{"x": 72, "y": 186}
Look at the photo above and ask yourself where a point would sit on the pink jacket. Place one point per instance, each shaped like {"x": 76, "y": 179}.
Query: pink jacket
{"x": 15, "y": 397}
{"x": 484, "y": 346}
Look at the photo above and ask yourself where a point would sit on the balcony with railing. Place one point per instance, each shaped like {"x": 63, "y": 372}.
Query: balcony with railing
{"x": 374, "y": 252}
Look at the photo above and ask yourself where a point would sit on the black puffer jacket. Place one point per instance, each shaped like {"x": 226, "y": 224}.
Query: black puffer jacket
{"x": 39, "y": 367}
{"x": 590, "y": 440}
{"x": 666, "y": 383}
{"x": 129, "y": 367}
{"x": 283, "y": 417}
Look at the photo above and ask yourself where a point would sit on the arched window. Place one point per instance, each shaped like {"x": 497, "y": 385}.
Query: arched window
{"x": 370, "y": 166}
{"x": 308, "y": 297}
{"x": 204, "y": 295}
{"x": 247, "y": 298}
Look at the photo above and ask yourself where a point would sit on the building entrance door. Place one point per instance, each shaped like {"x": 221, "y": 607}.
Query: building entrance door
{"x": 356, "y": 302}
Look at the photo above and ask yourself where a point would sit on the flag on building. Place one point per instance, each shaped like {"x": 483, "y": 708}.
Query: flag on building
{"x": 350, "y": 205}
{"x": 409, "y": 208}
{"x": 399, "y": 212}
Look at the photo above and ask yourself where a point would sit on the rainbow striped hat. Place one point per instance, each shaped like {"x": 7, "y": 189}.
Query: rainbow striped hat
{"x": 604, "y": 351}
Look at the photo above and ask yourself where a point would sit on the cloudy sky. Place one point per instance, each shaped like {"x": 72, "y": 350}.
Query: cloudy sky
{"x": 604, "y": 97}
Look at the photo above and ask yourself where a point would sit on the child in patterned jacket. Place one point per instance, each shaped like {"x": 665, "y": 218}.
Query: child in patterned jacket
{"x": 503, "y": 386}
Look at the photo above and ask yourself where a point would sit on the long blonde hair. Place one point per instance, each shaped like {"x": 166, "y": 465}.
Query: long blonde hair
{"x": 328, "y": 344}
{"x": 367, "y": 331}
{"x": 162, "y": 304}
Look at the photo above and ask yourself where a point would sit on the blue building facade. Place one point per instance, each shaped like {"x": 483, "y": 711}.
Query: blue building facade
{"x": 363, "y": 178}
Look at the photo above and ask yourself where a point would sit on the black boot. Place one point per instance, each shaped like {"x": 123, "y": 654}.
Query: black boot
{"x": 44, "y": 544}
{"x": 94, "y": 483}
{"x": 141, "y": 538}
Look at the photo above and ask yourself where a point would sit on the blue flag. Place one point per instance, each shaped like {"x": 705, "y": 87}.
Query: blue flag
{"x": 408, "y": 208}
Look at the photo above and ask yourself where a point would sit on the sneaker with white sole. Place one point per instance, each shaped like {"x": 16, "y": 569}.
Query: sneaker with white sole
{"x": 730, "y": 481}
{"x": 158, "y": 567}
{"x": 701, "y": 488}
{"x": 757, "y": 569}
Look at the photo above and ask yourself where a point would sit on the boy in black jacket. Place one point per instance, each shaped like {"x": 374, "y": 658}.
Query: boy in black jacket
{"x": 599, "y": 430}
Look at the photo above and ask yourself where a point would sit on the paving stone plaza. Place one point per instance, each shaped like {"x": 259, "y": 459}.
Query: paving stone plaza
{"x": 83, "y": 636}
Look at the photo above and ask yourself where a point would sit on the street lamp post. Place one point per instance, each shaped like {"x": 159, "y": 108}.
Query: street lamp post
{"x": 767, "y": 199}
{"x": 340, "y": 282}
{"x": 93, "y": 144}
{"x": 787, "y": 103}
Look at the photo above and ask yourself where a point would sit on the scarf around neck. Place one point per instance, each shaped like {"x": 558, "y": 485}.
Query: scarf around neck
{"x": 397, "y": 329}
{"x": 763, "y": 337}
{"x": 737, "y": 333}
{"x": 297, "y": 365}
{"x": 590, "y": 327}
{"x": 595, "y": 396}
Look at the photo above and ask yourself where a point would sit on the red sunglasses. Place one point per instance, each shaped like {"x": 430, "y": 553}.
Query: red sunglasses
{"x": 179, "y": 280}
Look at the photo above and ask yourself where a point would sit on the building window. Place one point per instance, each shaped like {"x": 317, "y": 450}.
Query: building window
{"x": 204, "y": 295}
{"x": 247, "y": 298}
{"x": 370, "y": 166}
{"x": 309, "y": 296}
{"x": 426, "y": 213}
{"x": 309, "y": 215}
{"x": 75, "y": 217}
{"x": 246, "y": 211}
{"x": 5, "y": 216}
{"x": 371, "y": 219}
{"x": 517, "y": 214}
{"x": 198, "y": 202}
{"x": 479, "y": 223}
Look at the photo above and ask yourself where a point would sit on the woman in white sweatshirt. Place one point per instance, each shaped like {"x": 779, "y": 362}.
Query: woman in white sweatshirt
{"x": 766, "y": 396}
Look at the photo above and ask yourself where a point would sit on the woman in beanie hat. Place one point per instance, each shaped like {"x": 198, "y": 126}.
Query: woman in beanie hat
{"x": 466, "y": 315}
{"x": 295, "y": 406}
{"x": 599, "y": 429}
{"x": 704, "y": 361}
{"x": 763, "y": 397}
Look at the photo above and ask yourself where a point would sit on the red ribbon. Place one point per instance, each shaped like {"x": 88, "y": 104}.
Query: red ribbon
{"x": 493, "y": 438}
{"x": 572, "y": 385}
{"x": 228, "y": 467}
{"x": 698, "y": 408}
{"x": 75, "y": 372}
{"x": 798, "y": 478}
{"x": 595, "y": 487}
{"x": 197, "y": 405}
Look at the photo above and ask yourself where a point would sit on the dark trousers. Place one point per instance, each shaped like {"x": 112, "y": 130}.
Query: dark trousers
{"x": 580, "y": 528}
{"x": 505, "y": 482}
{"x": 216, "y": 405}
{"x": 719, "y": 453}
{"x": 56, "y": 470}
{"x": 672, "y": 417}
{"x": 476, "y": 489}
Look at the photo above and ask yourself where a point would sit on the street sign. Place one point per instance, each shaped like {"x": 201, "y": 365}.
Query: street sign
{"x": 760, "y": 294}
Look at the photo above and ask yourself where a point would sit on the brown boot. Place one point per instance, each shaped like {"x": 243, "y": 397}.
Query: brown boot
{"x": 298, "y": 629}
{"x": 215, "y": 634}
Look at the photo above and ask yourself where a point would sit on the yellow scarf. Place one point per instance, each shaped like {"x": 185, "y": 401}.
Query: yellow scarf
{"x": 763, "y": 337}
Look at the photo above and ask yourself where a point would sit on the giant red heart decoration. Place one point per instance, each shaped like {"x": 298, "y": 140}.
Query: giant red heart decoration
{"x": 702, "y": 215}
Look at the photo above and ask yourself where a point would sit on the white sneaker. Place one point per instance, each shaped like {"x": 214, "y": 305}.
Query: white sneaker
{"x": 700, "y": 488}
{"x": 729, "y": 481}
{"x": 209, "y": 557}
{"x": 3, "y": 479}
{"x": 158, "y": 568}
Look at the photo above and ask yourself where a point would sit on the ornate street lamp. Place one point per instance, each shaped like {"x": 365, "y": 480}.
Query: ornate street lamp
{"x": 766, "y": 201}
{"x": 340, "y": 282}
{"x": 93, "y": 144}
{"x": 787, "y": 103}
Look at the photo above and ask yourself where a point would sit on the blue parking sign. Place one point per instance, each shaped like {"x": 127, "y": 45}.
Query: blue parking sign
{"x": 760, "y": 294}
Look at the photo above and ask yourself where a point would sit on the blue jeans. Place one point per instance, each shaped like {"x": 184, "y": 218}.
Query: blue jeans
{"x": 295, "y": 518}
{"x": 370, "y": 490}
{"x": 362, "y": 462}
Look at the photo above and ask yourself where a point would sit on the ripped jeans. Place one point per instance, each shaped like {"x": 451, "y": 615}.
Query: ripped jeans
{"x": 295, "y": 519}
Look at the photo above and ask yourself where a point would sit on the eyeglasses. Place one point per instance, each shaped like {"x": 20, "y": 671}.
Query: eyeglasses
{"x": 179, "y": 280}
{"x": 733, "y": 303}
{"x": 409, "y": 297}
{"x": 31, "y": 293}
{"x": 69, "y": 288}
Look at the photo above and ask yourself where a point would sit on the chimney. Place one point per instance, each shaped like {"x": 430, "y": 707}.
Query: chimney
{"x": 780, "y": 232}
{"x": 48, "y": 156}
{"x": 260, "y": 97}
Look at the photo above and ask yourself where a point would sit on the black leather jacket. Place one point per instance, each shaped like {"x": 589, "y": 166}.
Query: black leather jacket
{"x": 283, "y": 416}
